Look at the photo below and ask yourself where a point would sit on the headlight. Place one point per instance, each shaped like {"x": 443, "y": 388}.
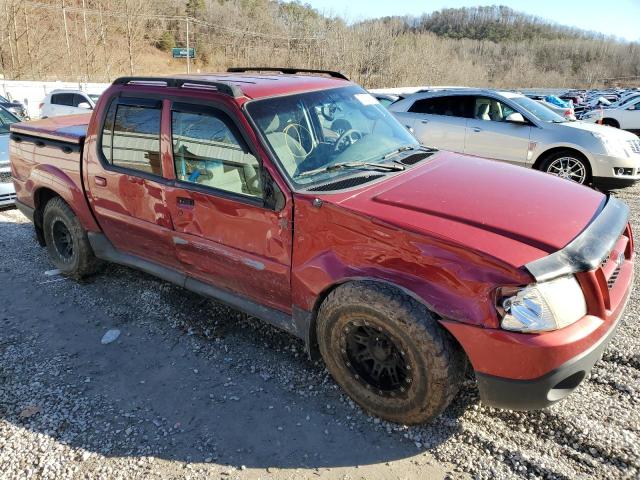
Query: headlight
{"x": 612, "y": 146}
{"x": 544, "y": 306}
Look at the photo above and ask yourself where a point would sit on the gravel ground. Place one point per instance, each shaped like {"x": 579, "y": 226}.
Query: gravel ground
{"x": 192, "y": 389}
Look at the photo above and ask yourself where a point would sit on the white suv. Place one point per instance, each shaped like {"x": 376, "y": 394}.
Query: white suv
{"x": 67, "y": 102}
{"x": 513, "y": 128}
{"x": 626, "y": 116}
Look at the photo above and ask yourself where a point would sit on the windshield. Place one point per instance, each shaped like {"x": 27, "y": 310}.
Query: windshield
{"x": 6, "y": 119}
{"x": 538, "y": 110}
{"x": 314, "y": 130}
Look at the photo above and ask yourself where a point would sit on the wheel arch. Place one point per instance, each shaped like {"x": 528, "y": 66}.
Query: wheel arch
{"x": 551, "y": 151}
{"x": 312, "y": 340}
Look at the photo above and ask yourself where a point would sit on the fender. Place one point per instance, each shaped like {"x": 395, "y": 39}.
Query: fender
{"x": 46, "y": 176}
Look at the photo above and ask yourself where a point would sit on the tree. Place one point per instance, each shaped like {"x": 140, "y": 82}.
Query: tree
{"x": 166, "y": 42}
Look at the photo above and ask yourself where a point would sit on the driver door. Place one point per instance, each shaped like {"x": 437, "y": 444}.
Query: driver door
{"x": 490, "y": 135}
{"x": 224, "y": 234}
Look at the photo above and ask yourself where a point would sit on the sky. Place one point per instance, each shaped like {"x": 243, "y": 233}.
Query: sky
{"x": 620, "y": 18}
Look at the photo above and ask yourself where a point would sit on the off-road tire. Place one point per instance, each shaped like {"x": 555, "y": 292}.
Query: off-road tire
{"x": 81, "y": 262}
{"x": 437, "y": 364}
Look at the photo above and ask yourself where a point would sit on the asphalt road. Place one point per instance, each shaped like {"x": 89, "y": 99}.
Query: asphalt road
{"x": 192, "y": 389}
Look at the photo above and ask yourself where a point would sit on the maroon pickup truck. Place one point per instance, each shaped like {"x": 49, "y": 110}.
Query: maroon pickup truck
{"x": 298, "y": 199}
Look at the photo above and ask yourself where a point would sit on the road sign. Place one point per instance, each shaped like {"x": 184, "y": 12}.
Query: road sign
{"x": 183, "y": 52}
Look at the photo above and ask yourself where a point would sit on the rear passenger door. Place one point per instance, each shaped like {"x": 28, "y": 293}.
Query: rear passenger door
{"x": 224, "y": 234}
{"x": 440, "y": 121}
{"x": 491, "y": 135}
{"x": 125, "y": 183}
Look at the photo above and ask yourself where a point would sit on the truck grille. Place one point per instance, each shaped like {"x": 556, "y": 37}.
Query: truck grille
{"x": 635, "y": 145}
{"x": 614, "y": 276}
{"x": 5, "y": 177}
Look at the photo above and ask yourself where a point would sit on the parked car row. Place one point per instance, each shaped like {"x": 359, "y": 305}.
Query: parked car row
{"x": 297, "y": 198}
{"x": 511, "y": 127}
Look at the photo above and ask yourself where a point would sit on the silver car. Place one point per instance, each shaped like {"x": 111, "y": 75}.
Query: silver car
{"x": 510, "y": 127}
{"x": 7, "y": 190}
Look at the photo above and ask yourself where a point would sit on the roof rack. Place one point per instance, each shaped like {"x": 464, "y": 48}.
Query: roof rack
{"x": 222, "y": 87}
{"x": 286, "y": 70}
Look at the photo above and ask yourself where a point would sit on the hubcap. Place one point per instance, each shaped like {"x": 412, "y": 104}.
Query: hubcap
{"x": 62, "y": 240}
{"x": 375, "y": 360}
{"x": 569, "y": 168}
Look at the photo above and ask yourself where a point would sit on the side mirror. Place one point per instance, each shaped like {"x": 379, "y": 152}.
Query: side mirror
{"x": 515, "y": 117}
{"x": 84, "y": 105}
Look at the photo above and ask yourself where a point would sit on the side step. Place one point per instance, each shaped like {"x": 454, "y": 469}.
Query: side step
{"x": 105, "y": 250}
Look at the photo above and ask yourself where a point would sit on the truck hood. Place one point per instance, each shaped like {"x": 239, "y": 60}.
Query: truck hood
{"x": 514, "y": 214}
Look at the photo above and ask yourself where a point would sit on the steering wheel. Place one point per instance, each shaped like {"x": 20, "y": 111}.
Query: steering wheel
{"x": 295, "y": 131}
{"x": 347, "y": 139}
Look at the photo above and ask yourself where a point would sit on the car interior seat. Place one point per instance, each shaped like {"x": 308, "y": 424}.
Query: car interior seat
{"x": 482, "y": 111}
{"x": 287, "y": 148}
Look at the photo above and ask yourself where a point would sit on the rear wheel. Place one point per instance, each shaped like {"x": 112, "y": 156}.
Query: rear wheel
{"x": 568, "y": 165}
{"x": 388, "y": 353}
{"x": 66, "y": 240}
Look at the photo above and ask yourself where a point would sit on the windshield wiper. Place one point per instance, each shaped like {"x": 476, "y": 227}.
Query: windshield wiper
{"x": 405, "y": 148}
{"x": 357, "y": 165}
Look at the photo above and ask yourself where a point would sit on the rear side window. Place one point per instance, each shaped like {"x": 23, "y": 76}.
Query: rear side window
{"x": 65, "y": 99}
{"x": 131, "y": 138}
{"x": 451, "y": 106}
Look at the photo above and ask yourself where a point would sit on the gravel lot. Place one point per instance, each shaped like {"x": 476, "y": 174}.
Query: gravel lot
{"x": 192, "y": 389}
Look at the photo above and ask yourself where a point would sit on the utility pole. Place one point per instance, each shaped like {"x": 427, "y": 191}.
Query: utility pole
{"x": 66, "y": 36}
{"x": 86, "y": 41}
{"x": 188, "y": 51}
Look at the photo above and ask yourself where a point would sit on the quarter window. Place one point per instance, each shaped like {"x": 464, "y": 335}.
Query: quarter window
{"x": 131, "y": 138}
{"x": 208, "y": 151}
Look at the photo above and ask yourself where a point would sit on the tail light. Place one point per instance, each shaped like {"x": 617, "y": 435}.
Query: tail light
{"x": 568, "y": 113}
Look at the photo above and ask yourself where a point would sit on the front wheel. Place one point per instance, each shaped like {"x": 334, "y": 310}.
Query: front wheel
{"x": 67, "y": 241}
{"x": 569, "y": 166}
{"x": 388, "y": 353}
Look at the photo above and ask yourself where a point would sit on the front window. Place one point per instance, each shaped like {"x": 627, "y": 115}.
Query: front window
{"x": 314, "y": 130}
{"x": 6, "y": 119}
{"x": 538, "y": 110}
{"x": 94, "y": 97}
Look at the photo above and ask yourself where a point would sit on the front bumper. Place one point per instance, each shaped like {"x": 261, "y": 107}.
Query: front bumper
{"x": 605, "y": 168}
{"x": 548, "y": 389}
{"x": 7, "y": 190}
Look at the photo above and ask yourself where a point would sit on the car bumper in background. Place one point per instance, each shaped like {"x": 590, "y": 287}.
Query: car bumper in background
{"x": 609, "y": 172}
{"x": 7, "y": 190}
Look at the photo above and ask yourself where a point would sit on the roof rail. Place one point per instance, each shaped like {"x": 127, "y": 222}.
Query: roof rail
{"x": 289, "y": 71}
{"x": 222, "y": 87}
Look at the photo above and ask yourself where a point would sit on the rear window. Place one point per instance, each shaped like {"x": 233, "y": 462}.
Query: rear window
{"x": 131, "y": 138}
{"x": 62, "y": 99}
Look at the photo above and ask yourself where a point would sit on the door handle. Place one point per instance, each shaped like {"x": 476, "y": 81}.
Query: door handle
{"x": 185, "y": 202}
{"x": 476, "y": 129}
{"x": 424, "y": 121}
{"x": 100, "y": 181}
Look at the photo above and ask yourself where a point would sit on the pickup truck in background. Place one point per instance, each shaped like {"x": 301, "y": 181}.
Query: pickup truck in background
{"x": 300, "y": 200}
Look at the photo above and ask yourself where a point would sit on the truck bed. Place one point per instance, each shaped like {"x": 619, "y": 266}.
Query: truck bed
{"x": 69, "y": 128}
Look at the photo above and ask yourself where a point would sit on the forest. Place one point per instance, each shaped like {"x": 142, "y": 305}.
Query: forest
{"x": 494, "y": 46}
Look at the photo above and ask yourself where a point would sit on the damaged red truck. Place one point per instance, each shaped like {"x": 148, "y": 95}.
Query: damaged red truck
{"x": 299, "y": 200}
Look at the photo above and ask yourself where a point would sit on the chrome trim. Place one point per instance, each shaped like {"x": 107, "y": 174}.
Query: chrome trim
{"x": 588, "y": 250}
